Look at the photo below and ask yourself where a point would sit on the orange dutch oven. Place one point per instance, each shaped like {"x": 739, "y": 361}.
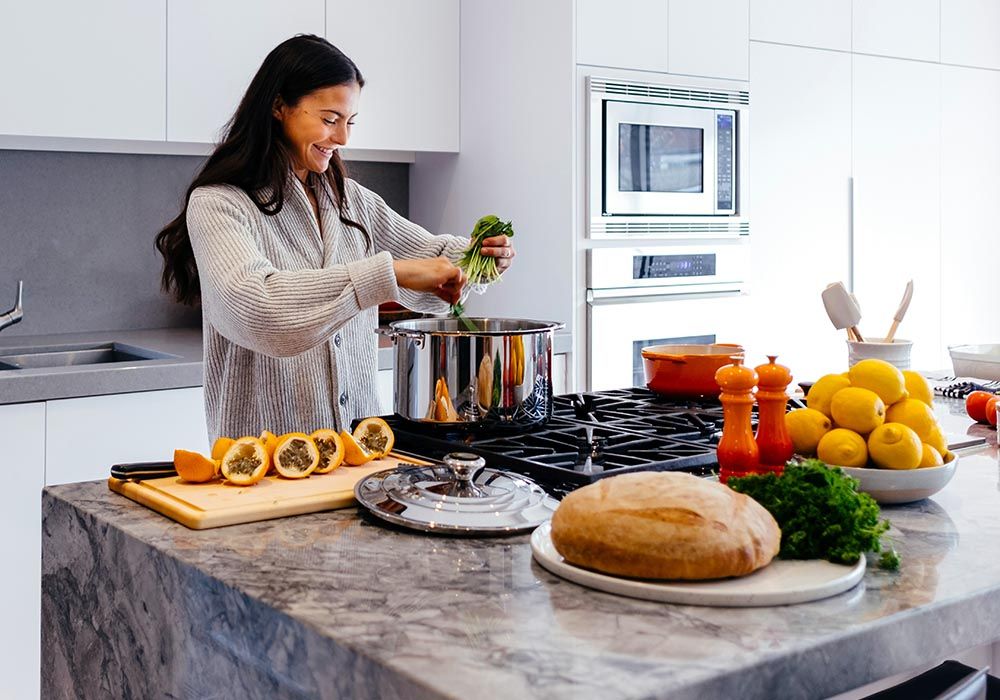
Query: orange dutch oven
{"x": 686, "y": 370}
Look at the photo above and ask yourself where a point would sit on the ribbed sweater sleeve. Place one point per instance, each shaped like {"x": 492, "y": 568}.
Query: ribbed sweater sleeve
{"x": 275, "y": 312}
{"x": 405, "y": 240}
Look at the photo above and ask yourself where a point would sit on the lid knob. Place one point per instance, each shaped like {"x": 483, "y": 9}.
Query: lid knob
{"x": 464, "y": 466}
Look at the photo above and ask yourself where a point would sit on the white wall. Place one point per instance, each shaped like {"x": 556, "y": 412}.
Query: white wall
{"x": 516, "y": 152}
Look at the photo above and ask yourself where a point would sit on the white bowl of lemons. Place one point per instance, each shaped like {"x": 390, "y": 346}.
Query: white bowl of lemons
{"x": 877, "y": 423}
{"x": 888, "y": 486}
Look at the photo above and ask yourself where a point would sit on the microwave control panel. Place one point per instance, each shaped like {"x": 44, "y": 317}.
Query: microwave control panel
{"x": 645, "y": 267}
{"x": 725, "y": 156}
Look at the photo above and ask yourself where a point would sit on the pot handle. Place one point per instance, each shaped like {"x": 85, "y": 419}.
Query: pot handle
{"x": 393, "y": 333}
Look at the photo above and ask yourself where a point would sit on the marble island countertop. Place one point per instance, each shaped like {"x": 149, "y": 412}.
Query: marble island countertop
{"x": 333, "y": 605}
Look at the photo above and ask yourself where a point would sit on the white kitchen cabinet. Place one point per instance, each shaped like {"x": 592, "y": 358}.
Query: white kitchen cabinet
{"x": 386, "y": 404}
{"x": 215, "y": 48}
{"x": 801, "y": 175}
{"x": 625, "y": 34}
{"x": 969, "y": 30}
{"x": 897, "y": 161}
{"x": 709, "y": 38}
{"x": 408, "y": 55}
{"x": 22, "y": 433}
{"x": 898, "y": 28}
{"x": 84, "y": 69}
{"x": 85, "y": 436}
{"x": 560, "y": 374}
{"x": 824, "y": 24}
{"x": 970, "y": 179}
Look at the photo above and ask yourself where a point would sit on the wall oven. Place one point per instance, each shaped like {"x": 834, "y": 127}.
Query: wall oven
{"x": 667, "y": 160}
{"x": 681, "y": 293}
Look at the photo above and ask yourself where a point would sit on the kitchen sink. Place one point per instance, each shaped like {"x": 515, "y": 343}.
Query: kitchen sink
{"x": 88, "y": 354}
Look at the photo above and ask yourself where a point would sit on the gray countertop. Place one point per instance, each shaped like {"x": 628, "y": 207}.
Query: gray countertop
{"x": 331, "y": 605}
{"x": 183, "y": 369}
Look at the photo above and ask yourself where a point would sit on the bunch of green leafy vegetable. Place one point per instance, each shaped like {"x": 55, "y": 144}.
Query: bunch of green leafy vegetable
{"x": 820, "y": 512}
{"x": 481, "y": 269}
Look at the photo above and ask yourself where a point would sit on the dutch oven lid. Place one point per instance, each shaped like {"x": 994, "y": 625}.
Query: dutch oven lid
{"x": 460, "y": 497}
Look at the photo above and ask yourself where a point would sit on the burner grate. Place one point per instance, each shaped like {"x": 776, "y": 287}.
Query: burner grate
{"x": 591, "y": 436}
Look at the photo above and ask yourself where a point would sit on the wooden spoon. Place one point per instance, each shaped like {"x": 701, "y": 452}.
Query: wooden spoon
{"x": 900, "y": 312}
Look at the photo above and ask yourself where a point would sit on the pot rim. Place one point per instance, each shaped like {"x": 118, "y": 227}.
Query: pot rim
{"x": 412, "y": 327}
{"x": 722, "y": 350}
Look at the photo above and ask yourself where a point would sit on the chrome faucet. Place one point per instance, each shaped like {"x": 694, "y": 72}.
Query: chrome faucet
{"x": 14, "y": 315}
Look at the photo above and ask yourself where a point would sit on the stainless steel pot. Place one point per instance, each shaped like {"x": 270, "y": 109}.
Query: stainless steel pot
{"x": 496, "y": 376}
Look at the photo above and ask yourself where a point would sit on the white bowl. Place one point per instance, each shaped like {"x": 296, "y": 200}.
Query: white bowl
{"x": 902, "y": 485}
{"x": 978, "y": 361}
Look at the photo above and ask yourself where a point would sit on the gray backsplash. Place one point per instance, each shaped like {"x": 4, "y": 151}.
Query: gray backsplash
{"x": 78, "y": 228}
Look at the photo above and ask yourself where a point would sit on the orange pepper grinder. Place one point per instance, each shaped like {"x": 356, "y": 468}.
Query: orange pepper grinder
{"x": 773, "y": 442}
{"x": 737, "y": 451}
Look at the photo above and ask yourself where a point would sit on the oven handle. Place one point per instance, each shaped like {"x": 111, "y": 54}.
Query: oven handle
{"x": 601, "y": 300}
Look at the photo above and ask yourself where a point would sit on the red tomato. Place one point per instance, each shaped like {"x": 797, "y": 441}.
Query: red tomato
{"x": 991, "y": 410}
{"x": 975, "y": 405}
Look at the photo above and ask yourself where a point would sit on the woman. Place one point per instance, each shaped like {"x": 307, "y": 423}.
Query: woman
{"x": 290, "y": 258}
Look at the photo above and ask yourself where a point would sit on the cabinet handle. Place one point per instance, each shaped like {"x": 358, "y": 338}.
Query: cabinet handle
{"x": 850, "y": 234}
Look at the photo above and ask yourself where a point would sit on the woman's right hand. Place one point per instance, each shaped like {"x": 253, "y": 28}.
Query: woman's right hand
{"x": 439, "y": 276}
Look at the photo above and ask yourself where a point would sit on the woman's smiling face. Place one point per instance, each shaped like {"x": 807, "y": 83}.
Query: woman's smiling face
{"x": 317, "y": 125}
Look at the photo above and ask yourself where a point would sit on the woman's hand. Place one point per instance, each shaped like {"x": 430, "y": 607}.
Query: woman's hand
{"x": 439, "y": 276}
{"x": 500, "y": 248}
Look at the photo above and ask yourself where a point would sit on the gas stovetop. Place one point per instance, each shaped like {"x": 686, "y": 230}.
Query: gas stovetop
{"x": 590, "y": 436}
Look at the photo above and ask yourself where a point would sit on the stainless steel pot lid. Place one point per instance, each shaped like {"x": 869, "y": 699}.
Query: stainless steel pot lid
{"x": 462, "y": 496}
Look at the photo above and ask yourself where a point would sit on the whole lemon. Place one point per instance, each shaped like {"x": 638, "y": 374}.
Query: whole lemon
{"x": 857, "y": 409}
{"x": 917, "y": 387}
{"x": 915, "y": 414}
{"x": 936, "y": 439}
{"x": 895, "y": 446}
{"x": 843, "y": 448}
{"x": 806, "y": 426}
{"x": 878, "y": 375}
{"x": 930, "y": 457}
{"x": 822, "y": 392}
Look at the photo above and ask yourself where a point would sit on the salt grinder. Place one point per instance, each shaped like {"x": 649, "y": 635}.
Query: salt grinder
{"x": 737, "y": 452}
{"x": 773, "y": 442}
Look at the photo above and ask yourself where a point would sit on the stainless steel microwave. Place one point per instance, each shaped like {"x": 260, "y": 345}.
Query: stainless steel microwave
{"x": 667, "y": 159}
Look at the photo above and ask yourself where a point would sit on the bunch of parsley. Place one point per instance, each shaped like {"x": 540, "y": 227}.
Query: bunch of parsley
{"x": 820, "y": 512}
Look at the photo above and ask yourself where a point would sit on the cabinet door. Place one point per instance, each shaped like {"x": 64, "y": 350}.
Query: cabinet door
{"x": 897, "y": 165}
{"x": 215, "y": 48}
{"x": 899, "y": 28}
{"x": 84, "y": 69}
{"x": 970, "y": 179}
{"x": 85, "y": 436}
{"x": 386, "y": 397}
{"x": 625, "y": 34}
{"x": 800, "y": 170}
{"x": 969, "y": 32}
{"x": 408, "y": 54}
{"x": 22, "y": 433}
{"x": 824, "y": 24}
{"x": 709, "y": 37}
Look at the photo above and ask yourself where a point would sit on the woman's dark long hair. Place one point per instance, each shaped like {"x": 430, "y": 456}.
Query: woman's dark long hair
{"x": 253, "y": 155}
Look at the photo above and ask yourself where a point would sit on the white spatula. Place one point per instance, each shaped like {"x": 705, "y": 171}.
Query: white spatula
{"x": 842, "y": 309}
{"x": 900, "y": 312}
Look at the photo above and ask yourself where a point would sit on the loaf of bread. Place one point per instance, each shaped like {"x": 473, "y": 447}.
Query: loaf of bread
{"x": 664, "y": 525}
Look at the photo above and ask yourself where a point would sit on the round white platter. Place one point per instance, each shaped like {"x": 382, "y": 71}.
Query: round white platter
{"x": 782, "y": 582}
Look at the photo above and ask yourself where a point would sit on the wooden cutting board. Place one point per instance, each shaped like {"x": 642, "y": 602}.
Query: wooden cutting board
{"x": 216, "y": 504}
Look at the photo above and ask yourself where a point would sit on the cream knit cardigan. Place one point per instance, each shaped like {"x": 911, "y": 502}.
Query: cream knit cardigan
{"x": 289, "y": 308}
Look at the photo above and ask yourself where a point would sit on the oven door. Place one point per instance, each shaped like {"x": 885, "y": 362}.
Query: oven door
{"x": 659, "y": 159}
{"x": 619, "y": 327}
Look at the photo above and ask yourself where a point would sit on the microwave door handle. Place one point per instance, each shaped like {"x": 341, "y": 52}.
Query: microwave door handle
{"x": 596, "y": 300}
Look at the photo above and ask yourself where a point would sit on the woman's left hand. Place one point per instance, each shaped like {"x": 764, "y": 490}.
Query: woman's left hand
{"x": 500, "y": 248}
